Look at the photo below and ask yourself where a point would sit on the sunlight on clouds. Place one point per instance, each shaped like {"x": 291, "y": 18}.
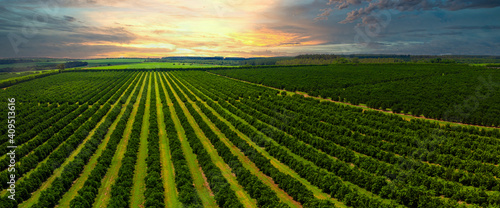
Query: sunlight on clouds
{"x": 270, "y": 38}
{"x": 202, "y": 28}
{"x": 151, "y": 45}
{"x": 158, "y": 28}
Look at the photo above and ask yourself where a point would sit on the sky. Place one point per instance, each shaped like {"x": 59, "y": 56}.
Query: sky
{"x": 247, "y": 28}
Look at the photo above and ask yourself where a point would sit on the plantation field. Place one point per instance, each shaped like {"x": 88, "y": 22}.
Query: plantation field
{"x": 457, "y": 93}
{"x": 156, "y": 65}
{"x": 192, "y": 138}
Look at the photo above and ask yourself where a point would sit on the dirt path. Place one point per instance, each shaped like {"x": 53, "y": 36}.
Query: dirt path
{"x": 104, "y": 194}
{"x": 200, "y": 181}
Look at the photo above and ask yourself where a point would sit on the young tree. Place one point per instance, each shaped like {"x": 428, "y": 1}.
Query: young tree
{"x": 60, "y": 66}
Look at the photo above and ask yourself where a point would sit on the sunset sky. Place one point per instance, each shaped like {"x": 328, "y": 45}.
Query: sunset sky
{"x": 159, "y": 28}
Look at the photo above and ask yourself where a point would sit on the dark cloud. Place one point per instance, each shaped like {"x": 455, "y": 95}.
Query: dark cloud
{"x": 301, "y": 23}
{"x": 69, "y": 18}
{"x": 456, "y": 46}
{"x": 422, "y": 33}
{"x": 77, "y": 50}
{"x": 377, "y": 45}
{"x": 27, "y": 30}
{"x": 439, "y": 31}
{"x": 366, "y": 13}
{"x": 485, "y": 27}
{"x": 470, "y": 4}
{"x": 429, "y": 35}
{"x": 19, "y": 18}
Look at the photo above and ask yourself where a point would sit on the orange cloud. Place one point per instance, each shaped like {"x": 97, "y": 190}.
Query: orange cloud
{"x": 158, "y": 28}
{"x": 272, "y": 38}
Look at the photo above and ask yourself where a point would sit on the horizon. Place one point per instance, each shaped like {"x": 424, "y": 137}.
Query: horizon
{"x": 257, "y": 57}
{"x": 80, "y": 29}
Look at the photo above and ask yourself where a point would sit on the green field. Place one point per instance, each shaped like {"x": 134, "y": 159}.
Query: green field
{"x": 110, "y": 61}
{"x": 156, "y": 65}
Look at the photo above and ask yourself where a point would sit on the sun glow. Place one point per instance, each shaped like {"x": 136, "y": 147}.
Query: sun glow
{"x": 208, "y": 27}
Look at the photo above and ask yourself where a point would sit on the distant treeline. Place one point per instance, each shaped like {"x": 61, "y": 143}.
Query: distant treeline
{"x": 470, "y": 59}
{"x": 265, "y": 61}
{"x": 224, "y": 61}
{"x": 462, "y": 59}
{"x": 198, "y": 61}
{"x": 73, "y": 64}
{"x": 312, "y": 59}
{"x": 308, "y": 59}
{"x": 320, "y": 59}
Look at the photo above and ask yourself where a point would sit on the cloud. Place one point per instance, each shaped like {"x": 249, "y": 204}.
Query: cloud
{"x": 52, "y": 33}
{"x": 79, "y": 50}
{"x": 485, "y": 27}
{"x": 372, "y": 6}
{"x": 455, "y": 46}
{"x": 421, "y": 33}
{"x": 266, "y": 37}
{"x": 156, "y": 28}
{"x": 325, "y": 14}
{"x": 69, "y": 18}
{"x": 441, "y": 34}
{"x": 454, "y": 5}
